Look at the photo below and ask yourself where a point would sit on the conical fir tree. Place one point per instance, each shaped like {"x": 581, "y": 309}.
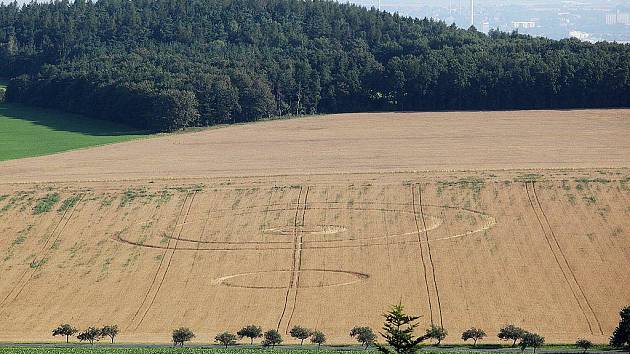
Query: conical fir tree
{"x": 398, "y": 332}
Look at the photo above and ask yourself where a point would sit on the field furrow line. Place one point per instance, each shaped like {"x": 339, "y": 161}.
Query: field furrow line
{"x": 424, "y": 266}
{"x": 432, "y": 265}
{"x": 157, "y": 272}
{"x": 291, "y": 293}
{"x": 168, "y": 265}
{"x": 297, "y": 270}
{"x": 61, "y": 225}
{"x": 198, "y": 245}
{"x": 566, "y": 262}
{"x": 538, "y": 212}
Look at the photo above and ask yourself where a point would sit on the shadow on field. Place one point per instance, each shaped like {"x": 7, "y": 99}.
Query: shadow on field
{"x": 67, "y": 122}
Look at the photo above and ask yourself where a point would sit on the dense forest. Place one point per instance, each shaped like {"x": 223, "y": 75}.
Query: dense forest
{"x": 167, "y": 64}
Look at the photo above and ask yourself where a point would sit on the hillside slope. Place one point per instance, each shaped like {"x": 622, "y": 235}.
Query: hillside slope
{"x": 550, "y": 255}
{"x": 354, "y": 143}
{"x": 324, "y": 223}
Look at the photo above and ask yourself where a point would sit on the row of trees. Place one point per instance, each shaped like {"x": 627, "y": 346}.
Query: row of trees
{"x": 508, "y": 332}
{"x": 399, "y": 329}
{"x": 272, "y": 337}
{"x": 167, "y": 64}
{"x": 398, "y": 332}
{"x": 620, "y": 337}
{"x": 91, "y": 334}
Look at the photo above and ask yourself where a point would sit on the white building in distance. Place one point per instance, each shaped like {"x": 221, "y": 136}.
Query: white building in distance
{"x": 523, "y": 24}
{"x": 620, "y": 18}
{"x": 579, "y": 35}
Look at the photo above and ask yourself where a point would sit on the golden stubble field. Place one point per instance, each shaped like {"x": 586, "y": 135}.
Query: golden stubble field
{"x": 353, "y": 143}
{"x": 546, "y": 249}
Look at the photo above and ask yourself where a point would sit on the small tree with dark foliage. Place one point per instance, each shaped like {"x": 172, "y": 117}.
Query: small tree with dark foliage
{"x": 181, "y": 335}
{"x": 531, "y": 340}
{"x": 621, "y": 335}
{"x": 318, "y": 338}
{"x": 110, "y": 331}
{"x": 300, "y": 333}
{"x": 511, "y": 332}
{"x": 475, "y": 334}
{"x": 225, "y": 338}
{"x": 64, "y": 330}
{"x": 364, "y": 335}
{"x": 438, "y": 333}
{"x": 250, "y": 332}
{"x": 398, "y": 332}
{"x": 90, "y": 335}
{"x": 584, "y": 344}
{"x": 272, "y": 338}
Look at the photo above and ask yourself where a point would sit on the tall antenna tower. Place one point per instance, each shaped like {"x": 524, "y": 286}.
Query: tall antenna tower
{"x": 472, "y": 12}
{"x": 379, "y": 5}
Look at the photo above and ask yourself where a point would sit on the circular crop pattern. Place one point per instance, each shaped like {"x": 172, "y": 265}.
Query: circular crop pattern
{"x": 197, "y": 233}
{"x": 464, "y": 222}
{"x": 306, "y": 230}
{"x": 279, "y": 279}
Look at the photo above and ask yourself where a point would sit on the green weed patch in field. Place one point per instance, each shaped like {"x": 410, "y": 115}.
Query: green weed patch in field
{"x": 45, "y": 204}
{"x": 590, "y": 200}
{"x": 36, "y": 264}
{"x": 529, "y": 177}
{"x": 130, "y": 195}
{"x": 69, "y": 203}
{"x": 27, "y": 132}
{"x": 592, "y": 180}
{"x": 473, "y": 183}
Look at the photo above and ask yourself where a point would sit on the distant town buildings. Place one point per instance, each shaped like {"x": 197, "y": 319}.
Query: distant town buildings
{"x": 485, "y": 27}
{"x": 523, "y": 24}
{"x": 607, "y": 20}
{"x": 579, "y": 35}
{"x": 619, "y": 18}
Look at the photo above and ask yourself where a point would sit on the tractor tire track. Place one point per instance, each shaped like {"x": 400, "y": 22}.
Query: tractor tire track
{"x": 426, "y": 236}
{"x": 324, "y": 265}
{"x": 566, "y": 262}
{"x": 419, "y": 243}
{"x": 196, "y": 255}
{"x": 294, "y": 261}
{"x": 168, "y": 265}
{"x": 157, "y": 272}
{"x": 41, "y": 258}
{"x": 299, "y": 266}
{"x": 544, "y": 227}
{"x": 61, "y": 220}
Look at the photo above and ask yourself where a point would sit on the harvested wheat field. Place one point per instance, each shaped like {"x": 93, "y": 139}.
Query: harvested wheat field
{"x": 354, "y": 143}
{"x": 322, "y": 222}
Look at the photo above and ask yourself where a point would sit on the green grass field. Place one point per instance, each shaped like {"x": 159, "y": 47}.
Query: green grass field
{"x": 27, "y": 131}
